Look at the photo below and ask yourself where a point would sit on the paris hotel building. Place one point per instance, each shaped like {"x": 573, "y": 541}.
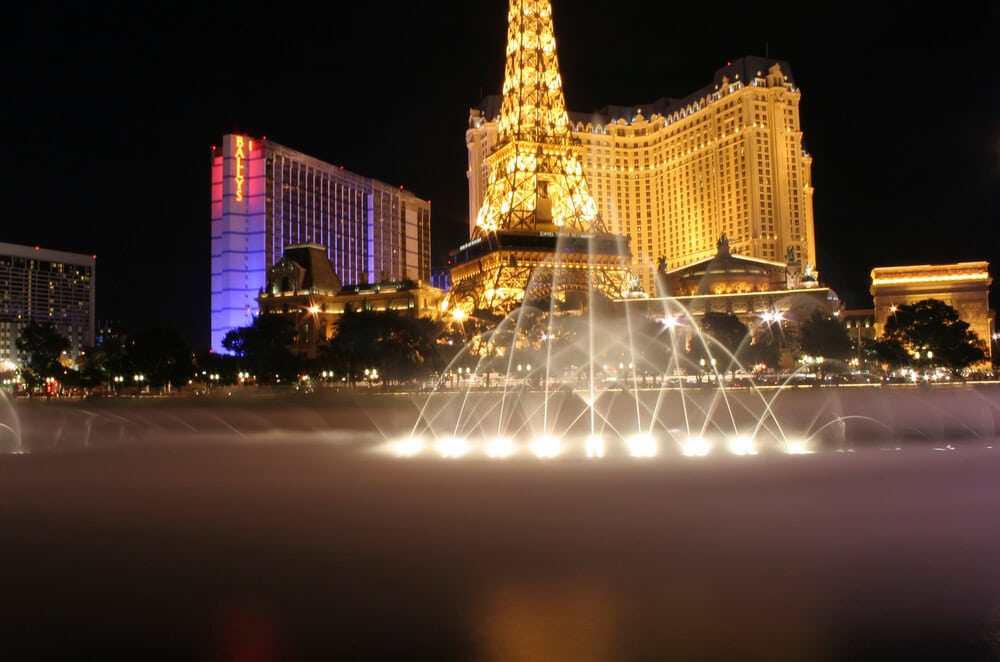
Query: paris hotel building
{"x": 676, "y": 174}
{"x": 266, "y": 197}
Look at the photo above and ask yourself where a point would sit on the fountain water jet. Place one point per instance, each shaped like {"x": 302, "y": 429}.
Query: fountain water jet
{"x": 588, "y": 376}
{"x": 10, "y": 426}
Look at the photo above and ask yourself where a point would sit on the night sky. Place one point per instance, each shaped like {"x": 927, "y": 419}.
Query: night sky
{"x": 110, "y": 115}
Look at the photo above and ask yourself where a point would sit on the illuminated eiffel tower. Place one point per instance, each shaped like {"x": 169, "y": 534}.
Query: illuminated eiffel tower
{"x": 538, "y": 234}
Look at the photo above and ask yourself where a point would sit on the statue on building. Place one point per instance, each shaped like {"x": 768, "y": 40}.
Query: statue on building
{"x": 790, "y": 254}
{"x": 723, "y": 244}
{"x": 661, "y": 263}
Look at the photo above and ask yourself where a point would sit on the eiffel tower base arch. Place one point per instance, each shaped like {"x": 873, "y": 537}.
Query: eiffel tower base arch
{"x": 500, "y": 271}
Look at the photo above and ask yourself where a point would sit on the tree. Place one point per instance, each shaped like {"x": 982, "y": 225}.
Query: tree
{"x": 824, "y": 336}
{"x": 763, "y": 351}
{"x": 161, "y": 356}
{"x": 725, "y": 338}
{"x": 264, "y": 347}
{"x": 101, "y": 363}
{"x": 653, "y": 346}
{"x": 928, "y": 334}
{"x": 399, "y": 347}
{"x": 889, "y": 351}
{"x": 43, "y": 346}
{"x": 995, "y": 352}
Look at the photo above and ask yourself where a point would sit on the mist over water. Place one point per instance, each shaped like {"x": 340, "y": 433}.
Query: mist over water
{"x": 238, "y": 528}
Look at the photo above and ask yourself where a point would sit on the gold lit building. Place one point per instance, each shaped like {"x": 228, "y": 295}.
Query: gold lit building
{"x": 303, "y": 286}
{"x": 965, "y": 286}
{"x": 766, "y": 295}
{"x": 536, "y": 232}
{"x": 676, "y": 174}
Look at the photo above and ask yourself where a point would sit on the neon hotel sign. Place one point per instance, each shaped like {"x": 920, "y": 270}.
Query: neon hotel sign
{"x": 241, "y": 164}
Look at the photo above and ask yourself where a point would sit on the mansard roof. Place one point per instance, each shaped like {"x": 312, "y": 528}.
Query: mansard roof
{"x": 317, "y": 272}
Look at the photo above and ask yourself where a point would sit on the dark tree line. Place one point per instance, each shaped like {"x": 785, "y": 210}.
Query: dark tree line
{"x": 399, "y": 348}
{"x": 157, "y": 357}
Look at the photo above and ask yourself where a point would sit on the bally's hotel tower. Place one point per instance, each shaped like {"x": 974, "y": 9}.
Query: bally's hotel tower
{"x": 266, "y": 197}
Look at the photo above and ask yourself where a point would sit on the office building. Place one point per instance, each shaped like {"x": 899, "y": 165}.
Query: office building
{"x": 266, "y": 197}
{"x": 48, "y": 286}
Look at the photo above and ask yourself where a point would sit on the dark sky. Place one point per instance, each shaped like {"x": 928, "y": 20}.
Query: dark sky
{"x": 110, "y": 114}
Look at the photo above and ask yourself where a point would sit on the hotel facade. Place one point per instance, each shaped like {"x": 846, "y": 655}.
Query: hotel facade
{"x": 675, "y": 175}
{"x": 46, "y": 286}
{"x": 266, "y": 197}
{"x": 965, "y": 286}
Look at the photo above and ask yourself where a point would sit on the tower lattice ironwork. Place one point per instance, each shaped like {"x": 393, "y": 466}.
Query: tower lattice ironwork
{"x": 538, "y": 233}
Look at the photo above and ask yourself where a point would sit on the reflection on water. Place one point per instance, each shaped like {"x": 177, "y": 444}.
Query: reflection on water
{"x": 265, "y": 530}
{"x": 544, "y": 620}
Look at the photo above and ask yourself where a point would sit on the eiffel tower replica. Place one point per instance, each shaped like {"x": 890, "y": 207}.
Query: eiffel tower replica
{"x": 538, "y": 234}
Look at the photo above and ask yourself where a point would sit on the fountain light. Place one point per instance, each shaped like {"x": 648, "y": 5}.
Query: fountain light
{"x": 546, "y": 447}
{"x": 500, "y": 448}
{"x": 797, "y": 447}
{"x": 695, "y": 447}
{"x": 595, "y": 446}
{"x": 409, "y": 447}
{"x": 641, "y": 445}
{"x": 742, "y": 446}
{"x": 452, "y": 447}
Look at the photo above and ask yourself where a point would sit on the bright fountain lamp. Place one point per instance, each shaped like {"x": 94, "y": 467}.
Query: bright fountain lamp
{"x": 642, "y": 445}
{"x": 546, "y": 447}
{"x": 500, "y": 448}
{"x": 797, "y": 447}
{"x": 594, "y": 446}
{"x": 452, "y": 447}
{"x": 742, "y": 446}
{"x": 696, "y": 447}
{"x": 409, "y": 447}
